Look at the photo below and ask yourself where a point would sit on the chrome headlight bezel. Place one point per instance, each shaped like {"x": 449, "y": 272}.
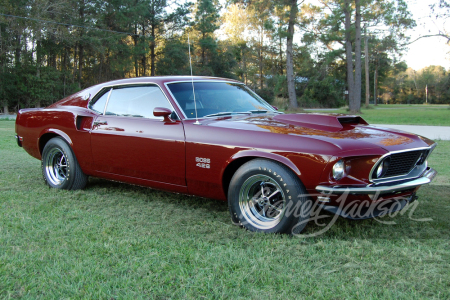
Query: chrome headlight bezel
{"x": 383, "y": 167}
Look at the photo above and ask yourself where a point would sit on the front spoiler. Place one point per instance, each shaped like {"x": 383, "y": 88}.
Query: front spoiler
{"x": 426, "y": 178}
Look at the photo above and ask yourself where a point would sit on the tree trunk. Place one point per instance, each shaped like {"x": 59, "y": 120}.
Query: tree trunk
{"x": 273, "y": 68}
{"x": 375, "y": 85}
{"x": 281, "y": 56}
{"x": 52, "y": 55}
{"x": 100, "y": 67}
{"x": 38, "y": 60}
{"x": 80, "y": 65}
{"x": 348, "y": 52}
{"x": 366, "y": 54}
{"x": 64, "y": 61}
{"x": 144, "y": 57}
{"x": 74, "y": 71}
{"x": 136, "y": 65}
{"x": 290, "y": 56}
{"x": 261, "y": 83}
{"x": 152, "y": 52}
{"x": 80, "y": 46}
{"x": 245, "y": 66}
{"x": 203, "y": 50}
{"x": 2, "y": 94}
{"x": 355, "y": 106}
{"x": 5, "y": 108}
{"x": 18, "y": 50}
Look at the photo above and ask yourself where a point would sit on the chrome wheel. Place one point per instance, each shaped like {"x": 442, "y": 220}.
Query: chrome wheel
{"x": 262, "y": 201}
{"x": 55, "y": 165}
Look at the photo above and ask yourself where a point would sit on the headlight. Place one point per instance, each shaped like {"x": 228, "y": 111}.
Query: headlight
{"x": 383, "y": 167}
{"x": 339, "y": 170}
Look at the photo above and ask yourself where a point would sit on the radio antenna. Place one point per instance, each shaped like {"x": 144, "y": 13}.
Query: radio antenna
{"x": 193, "y": 89}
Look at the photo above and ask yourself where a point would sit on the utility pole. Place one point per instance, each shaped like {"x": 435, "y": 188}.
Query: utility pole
{"x": 426, "y": 94}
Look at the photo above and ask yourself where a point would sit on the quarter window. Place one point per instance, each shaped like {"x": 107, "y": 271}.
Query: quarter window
{"x": 99, "y": 105}
{"x": 137, "y": 101}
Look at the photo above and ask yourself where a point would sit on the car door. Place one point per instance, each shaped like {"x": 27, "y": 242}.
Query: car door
{"x": 128, "y": 140}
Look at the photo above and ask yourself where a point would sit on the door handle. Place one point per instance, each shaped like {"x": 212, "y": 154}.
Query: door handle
{"x": 97, "y": 123}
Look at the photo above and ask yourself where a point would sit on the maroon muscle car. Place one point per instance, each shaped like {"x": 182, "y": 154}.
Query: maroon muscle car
{"x": 224, "y": 142}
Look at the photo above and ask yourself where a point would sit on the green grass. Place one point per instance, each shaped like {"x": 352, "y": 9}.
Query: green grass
{"x": 436, "y": 115}
{"x": 435, "y": 106}
{"x": 118, "y": 241}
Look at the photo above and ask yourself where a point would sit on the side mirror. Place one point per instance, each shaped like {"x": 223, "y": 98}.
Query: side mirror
{"x": 276, "y": 108}
{"x": 163, "y": 112}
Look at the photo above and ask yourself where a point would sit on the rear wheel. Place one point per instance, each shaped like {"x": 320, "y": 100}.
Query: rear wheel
{"x": 60, "y": 167}
{"x": 266, "y": 196}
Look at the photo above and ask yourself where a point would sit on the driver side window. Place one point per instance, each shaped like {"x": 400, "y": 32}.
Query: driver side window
{"x": 136, "y": 101}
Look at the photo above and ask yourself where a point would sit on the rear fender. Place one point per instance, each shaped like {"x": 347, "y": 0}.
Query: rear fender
{"x": 54, "y": 131}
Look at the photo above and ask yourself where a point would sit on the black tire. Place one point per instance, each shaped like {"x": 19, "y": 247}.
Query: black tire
{"x": 266, "y": 196}
{"x": 60, "y": 167}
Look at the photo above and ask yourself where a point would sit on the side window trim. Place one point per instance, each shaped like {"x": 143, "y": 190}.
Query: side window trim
{"x": 107, "y": 101}
{"x": 110, "y": 88}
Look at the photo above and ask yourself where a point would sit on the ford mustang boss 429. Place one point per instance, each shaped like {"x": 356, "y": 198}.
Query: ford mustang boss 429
{"x": 215, "y": 138}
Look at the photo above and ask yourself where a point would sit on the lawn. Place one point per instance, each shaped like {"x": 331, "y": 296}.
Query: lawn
{"x": 118, "y": 241}
{"x": 405, "y": 114}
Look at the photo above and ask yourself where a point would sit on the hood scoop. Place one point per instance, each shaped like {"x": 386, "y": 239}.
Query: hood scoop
{"x": 327, "y": 122}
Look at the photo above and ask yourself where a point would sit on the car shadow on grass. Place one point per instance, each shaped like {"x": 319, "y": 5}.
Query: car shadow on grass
{"x": 427, "y": 218}
{"x": 149, "y": 194}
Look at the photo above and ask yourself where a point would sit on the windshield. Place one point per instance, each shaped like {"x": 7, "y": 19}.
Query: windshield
{"x": 217, "y": 98}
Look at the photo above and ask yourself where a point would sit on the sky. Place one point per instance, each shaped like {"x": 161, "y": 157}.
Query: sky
{"x": 426, "y": 51}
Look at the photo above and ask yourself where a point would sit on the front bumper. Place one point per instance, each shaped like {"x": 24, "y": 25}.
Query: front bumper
{"x": 384, "y": 188}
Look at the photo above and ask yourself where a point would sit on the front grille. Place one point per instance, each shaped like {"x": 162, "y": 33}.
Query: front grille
{"x": 403, "y": 163}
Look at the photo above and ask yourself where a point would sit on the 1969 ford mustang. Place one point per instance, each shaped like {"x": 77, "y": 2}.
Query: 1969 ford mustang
{"x": 215, "y": 138}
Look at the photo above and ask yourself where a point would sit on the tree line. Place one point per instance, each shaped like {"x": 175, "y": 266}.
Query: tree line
{"x": 324, "y": 53}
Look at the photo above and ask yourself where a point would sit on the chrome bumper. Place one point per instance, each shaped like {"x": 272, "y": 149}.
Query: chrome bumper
{"x": 426, "y": 178}
{"x": 19, "y": 140}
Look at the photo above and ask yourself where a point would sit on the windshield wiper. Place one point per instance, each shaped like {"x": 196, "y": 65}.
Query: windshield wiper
{"x": 226, "y": 113}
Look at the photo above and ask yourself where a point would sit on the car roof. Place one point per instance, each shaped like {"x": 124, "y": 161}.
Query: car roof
{"x": 164, "y": 79}
{"x": 82, "y": 97}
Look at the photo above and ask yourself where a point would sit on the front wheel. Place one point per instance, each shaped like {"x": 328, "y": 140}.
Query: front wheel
{"x": 60, "y": 166}
{"x": 266, "y": 196}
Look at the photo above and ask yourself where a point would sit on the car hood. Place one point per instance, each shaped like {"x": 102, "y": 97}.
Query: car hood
{"x": 345, "y": 132}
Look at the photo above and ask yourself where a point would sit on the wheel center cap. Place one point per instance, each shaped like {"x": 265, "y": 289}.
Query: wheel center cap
{"x": 263, "y": 200}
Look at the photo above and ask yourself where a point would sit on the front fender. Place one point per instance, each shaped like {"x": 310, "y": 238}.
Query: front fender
{"x": 261, "y": 154}
{"x": 308, "y": 167}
